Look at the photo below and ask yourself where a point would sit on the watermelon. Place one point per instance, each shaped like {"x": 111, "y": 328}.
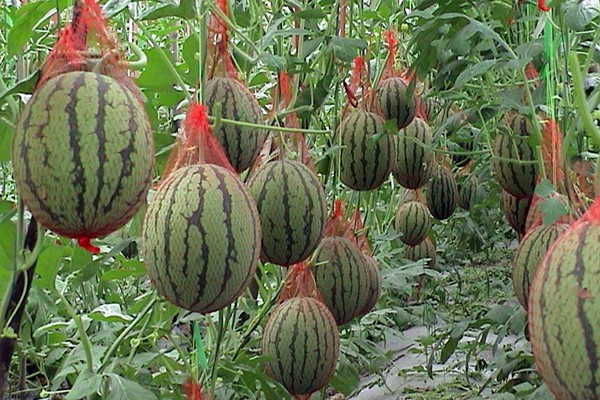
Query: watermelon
{"x": 467, "y": 190}
{"x": 371, "y": 292}
{"x": 413, "y": 222}
{"x": 515, "y": 210}
{"x": 514, "y": 160}
{"x": 341, "y": 276}
{"x": 424, "y": 250}
{"x": 241, "y": 144}
{"x": 301, "y": 343}
{"x": 367, "y": 154}
{"x": 563, "y": 318}
{"x": 441, "y": 194}
{"x": 414, "y": 155}
{"x": 83, "y": 155}
{"x": 201, "y": 238}
{"x": 397, "y": 101}
{"x": 528, "y": 256}
{"x": 292, "y": 207}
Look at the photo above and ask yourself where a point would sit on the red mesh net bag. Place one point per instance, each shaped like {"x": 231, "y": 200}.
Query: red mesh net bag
{"x": 299, "y": 282}
{"x": 195, "y": 144}
{"x": 358, "y": 92}
{"x": 193, "y": 390}
{"x": 351, "y": 228}
{"x": 87, "y": 45}
{"x": 219, "y": 60}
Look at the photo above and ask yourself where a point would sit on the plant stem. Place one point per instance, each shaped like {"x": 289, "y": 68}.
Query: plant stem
{"x": 85, "y": 340}
{"x": 579, "y": 94}
{"x": 126, "y": 332}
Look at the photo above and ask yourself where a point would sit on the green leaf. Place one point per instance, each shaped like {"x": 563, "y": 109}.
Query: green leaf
{"x": 124, "y": 389}
{"x": 552, "y": 209}
{"x": 473, "y": 72}
{"x": 272, "y": 60}
{"x": 311, "y": 13}
{"x": 110, "y": 313}
{"x": 7, "y": 245}
{"x": 114, "y": 7}
{"x": 186, "y": 10}
{"x": 27, "y": 18}
{"x": 346, "y": 48}
{"x": 544, "y": 188}
{"x": 24, "y": 86}
{"x": 189, "y": 53}
{"x": 157, "y": 75}
{"x": 80, "y": 258}
{"x": 86, "y": 384}
{"x": 129, "y": 268}
{"x": 47, "y": 266}
{"x": 6, "y": 132}
{"x": 578, "y": 13}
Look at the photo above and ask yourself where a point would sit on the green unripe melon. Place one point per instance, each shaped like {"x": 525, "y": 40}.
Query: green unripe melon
{"x": 515, "y": 210}
{"x": 413, "y": 165}
{"x": 424, "y": 250}
{"x": 441, "y": 194}
{"x": 301, "y": 344}
{"x": 292, "y": 208}
{"x": 397, "y": 101}
{"x": 201, "y": 238}
{"x": 413, "y": 222}
{"x": 83, "y": 154}
{"x": 241, "y": 144}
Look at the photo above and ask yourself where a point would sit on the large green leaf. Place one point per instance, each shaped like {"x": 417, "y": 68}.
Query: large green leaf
{"x": 125, "y": 389}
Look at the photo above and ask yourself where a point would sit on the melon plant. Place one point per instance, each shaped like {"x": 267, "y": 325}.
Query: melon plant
{"x": 241, "y": 144}
{"x": 301, "y": 344}
{"x": 414, "y": 155}
{"x": 341, "y": 277}
{"x": 292, "y": 207}
{"x": 424, "y": 250}
{"x": 515, "y": 210}
{"x": 441, "y": 194}
{"x": 466, "y": 192}
{"x": 528, "y": 256}
{"x": 397, "y": 101}
{"x": 201, "y": 238}
{"x": 564, "y": 322}
{"x": 82, "y": 154}
{"x": 367, "y": 153}
{"x": 413, "y": 222}
{"x": 514, "y": 161}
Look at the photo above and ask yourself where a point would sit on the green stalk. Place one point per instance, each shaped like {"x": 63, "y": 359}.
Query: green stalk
{"x": 580, "y": 101}
{"x": 85, "y": 340}
{"x": 217, "y": 349}
{"x": 126, "y": 332}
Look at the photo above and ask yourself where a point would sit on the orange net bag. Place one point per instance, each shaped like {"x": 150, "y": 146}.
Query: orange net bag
{"x": 299, "y": 282}
{"x": 219, "y": 60}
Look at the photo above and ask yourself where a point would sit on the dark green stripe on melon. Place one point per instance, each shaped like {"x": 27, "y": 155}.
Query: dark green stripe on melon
{"x": 414, "y": 155}
{"x": 301, "y": 343}
{"x": 515, "y": 210}
{"x": 292, "y": 207}
{"x": 201, "y": 238}
{"x": 397, "y": 101}
{"x": 424, "y": 250}
{"x": 367, "y": 153}
{"x": 82, "y": 154}
{"x": 412, "y": 222}
{"x": 528, "y": 256}
{"x": 563, "y": 313}
{"x": 514, "y": 161}
{"x": 441, "y": 194}
{"x": 341, "y": 276}
{"x": 241, "y": 144}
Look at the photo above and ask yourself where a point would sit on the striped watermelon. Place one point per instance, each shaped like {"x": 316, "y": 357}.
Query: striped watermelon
{"x": 530, "y": 252}
{"x": 466, "y": 192}
{"x": 424, "y": 250}
{"x": 341, "y": 277}
{"x": 564, "y": 321}
{"x": 83, "y": 154}
{"x": 302, "y": 344}
{"x": 414, "y": 155}
{"x": 370, "y": 296}
{"x": 515, "y": 210}
{"x": 292, "y": 208}
{"x": 201, "y": 238}
{"x": 368, "y": 152}
{"x": 413, "y": 222}
{"x": 241, "y": 144}
{"x": 397, "y": 101}
{"x": 514, "y": 162}
{"x": 441, "y": 194}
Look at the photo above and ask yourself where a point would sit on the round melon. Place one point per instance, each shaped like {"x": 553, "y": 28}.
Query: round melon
{"x": 466, "y": 192}
{"x": 397, "y": 101}
{"x": 341, "y": 276}
{"x": 241, "y": 144}
{"x": 83, "y": 155}
{"x": 515, "y": 210}
{"x": 424, "y": 250}
{"x": 371, "y": 291}
{"x": 414, "y": 155}
{"x": 528, "y": 256}
{"x": 301, "y": 344}
{"x": 201, "y": 238}
{"x": 413, "y": 222}
{"x": 563, "y": 317}
{"x": 292, "y": 207}
{"x": 441, "y": 194}
{"x": 367, "y": 153}
{"x": 514, "y": 160}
